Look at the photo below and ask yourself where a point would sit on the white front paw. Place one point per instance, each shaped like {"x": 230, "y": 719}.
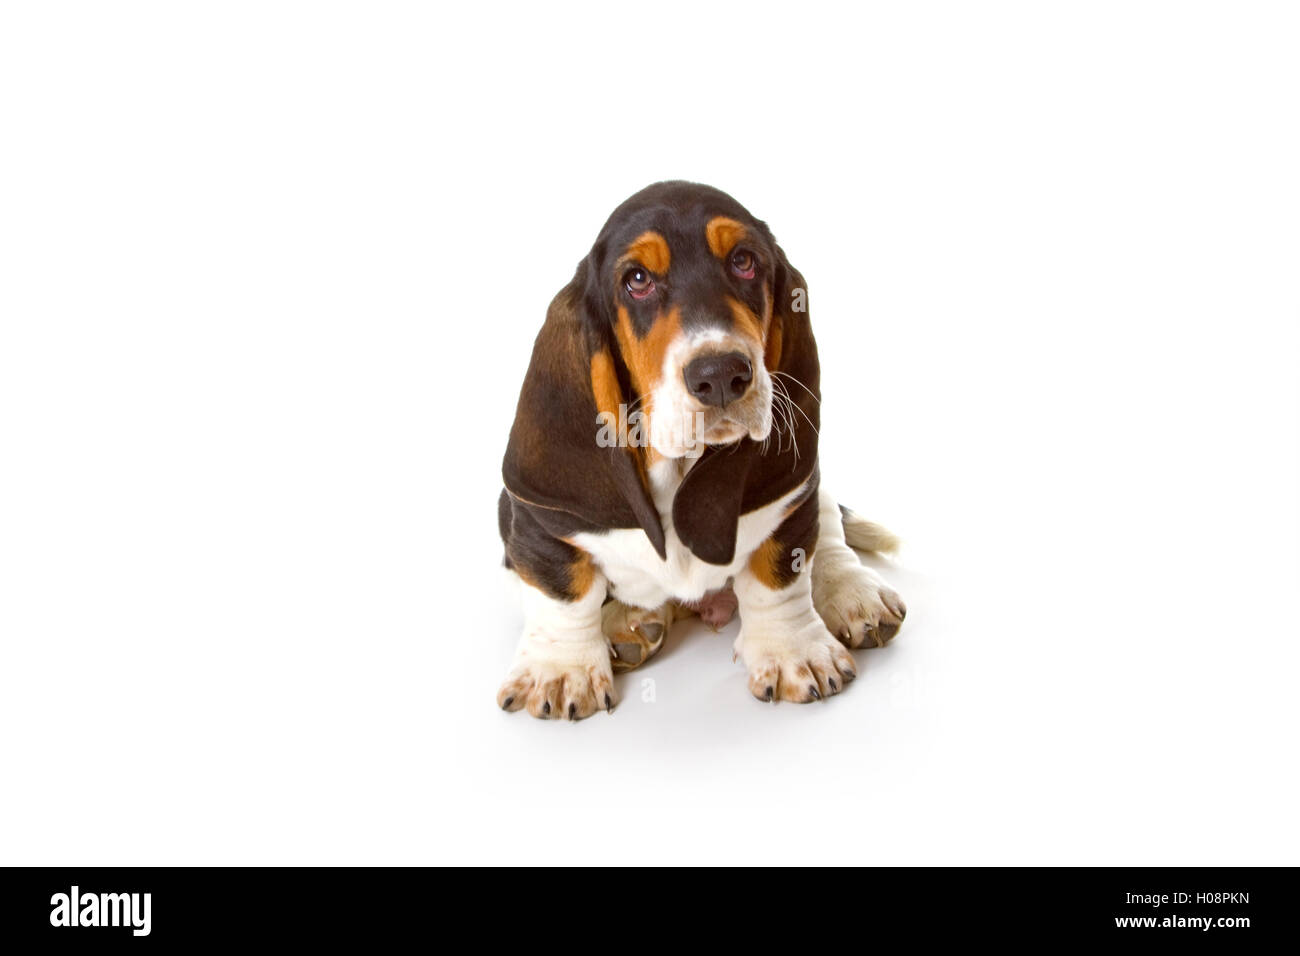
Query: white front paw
{"x": 803, "y": 663}
{"x": 551, "y": 678}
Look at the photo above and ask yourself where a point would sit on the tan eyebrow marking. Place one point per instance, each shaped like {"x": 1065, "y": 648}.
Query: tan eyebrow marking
{"x": 722, "y": 235}
{"x": 651, "y": 250}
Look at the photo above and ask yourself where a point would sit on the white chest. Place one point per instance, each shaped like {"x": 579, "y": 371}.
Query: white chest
{"x": 634, "y": 570}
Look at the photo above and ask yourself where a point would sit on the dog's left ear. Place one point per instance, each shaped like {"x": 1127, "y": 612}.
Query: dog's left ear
{"x": 733, "y": 480}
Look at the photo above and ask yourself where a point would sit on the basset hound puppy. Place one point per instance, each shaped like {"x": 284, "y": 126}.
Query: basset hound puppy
{"x": 663, "y": 461}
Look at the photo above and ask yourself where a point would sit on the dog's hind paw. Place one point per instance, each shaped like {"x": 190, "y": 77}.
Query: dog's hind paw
{"x": 635, "y": 635}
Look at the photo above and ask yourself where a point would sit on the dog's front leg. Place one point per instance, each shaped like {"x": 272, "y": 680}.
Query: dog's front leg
{"x": 562, "y": 665}
{"x": 789, "y": 653}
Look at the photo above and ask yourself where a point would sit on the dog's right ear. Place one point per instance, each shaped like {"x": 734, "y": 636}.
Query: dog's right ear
{"x": 560, "y": 456}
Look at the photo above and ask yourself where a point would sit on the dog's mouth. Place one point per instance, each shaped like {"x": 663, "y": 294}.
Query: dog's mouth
{"x": 724, "y": 433}
{"x": 749, "y": 416}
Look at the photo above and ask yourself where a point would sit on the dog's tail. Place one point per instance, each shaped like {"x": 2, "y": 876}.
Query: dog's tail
{"x": 867, "y": 535}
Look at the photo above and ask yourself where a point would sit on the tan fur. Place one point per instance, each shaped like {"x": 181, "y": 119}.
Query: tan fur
{"x": 772, "y": 351}
{"x": 604, "y": 383}
{"x": 747, "y": 323}
{"x": 644, "y": 357}
{"x": 582, "y": 574}
{"x": 764, "y": 563}
{"x": 636, "y": 634}
{"x": 867, "y": 535}
{"x": 723, "y": 234}
{"x": 650, "y": 250}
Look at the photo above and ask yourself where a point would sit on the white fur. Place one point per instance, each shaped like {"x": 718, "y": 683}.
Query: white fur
{"x": 562, "y": 625}
{"x": 789, "y": 653}
{"x": 635, "y": 572}
{"x": 562, "y": 647}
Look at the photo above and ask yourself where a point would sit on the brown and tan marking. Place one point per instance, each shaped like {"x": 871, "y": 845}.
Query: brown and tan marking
{"x": 604, "y": 383}
{"x": 772, "y": 348}
{"x": 582, "y": 574}
{"x": 770, "y": 564}
{"x": 644, "y": 355}
{"x": 789, "y": 551}
{"x": 723, "y": 234}
{"x": 747, "y": 323}
{"x": 649, "y": 249}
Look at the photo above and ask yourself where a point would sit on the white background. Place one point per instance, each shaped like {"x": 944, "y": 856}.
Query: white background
{"x": 269, "y": 277}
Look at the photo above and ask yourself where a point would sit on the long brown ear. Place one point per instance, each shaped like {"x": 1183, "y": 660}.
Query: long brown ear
{"x": 730, "y": 481}
{"x": 553, "y": 460}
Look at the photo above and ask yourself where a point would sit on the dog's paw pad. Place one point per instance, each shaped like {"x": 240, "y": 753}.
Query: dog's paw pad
{"x": 634, "y": 634}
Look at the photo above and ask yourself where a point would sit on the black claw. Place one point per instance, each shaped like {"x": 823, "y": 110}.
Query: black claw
{"x": 573, "y": 711}
{"x": 546, "y": 707}
{"x": 609, "y": 704}
{"x": 817, "y": 695}
{"x": 770, "y": 692}
{"x": 848, "y": 675}
{"x": 831, "y": 681}
{"x": 508, "y": 702}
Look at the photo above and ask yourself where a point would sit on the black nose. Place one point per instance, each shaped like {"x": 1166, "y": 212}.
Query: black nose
{"x": 718, "y": 379}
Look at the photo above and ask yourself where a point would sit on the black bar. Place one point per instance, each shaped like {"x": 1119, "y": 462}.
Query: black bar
{"x": 1226, "y": 907}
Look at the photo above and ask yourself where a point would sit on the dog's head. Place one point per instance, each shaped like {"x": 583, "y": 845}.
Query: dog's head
{"x": 686, "y": 330}
{"x": 686, "y": 281}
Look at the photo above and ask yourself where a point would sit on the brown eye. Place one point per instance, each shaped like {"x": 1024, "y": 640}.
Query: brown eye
{"x": 639, "y": 283}
{"x": 743, "y": 263}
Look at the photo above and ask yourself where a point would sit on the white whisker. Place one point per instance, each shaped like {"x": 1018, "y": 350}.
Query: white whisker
{"x": 800, "y": 384}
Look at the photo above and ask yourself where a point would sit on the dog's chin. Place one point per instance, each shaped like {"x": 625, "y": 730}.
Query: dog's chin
{"x": 686, "y": 434}
{"x": 728, "y": 429}
{"x": 724, "y": 433}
